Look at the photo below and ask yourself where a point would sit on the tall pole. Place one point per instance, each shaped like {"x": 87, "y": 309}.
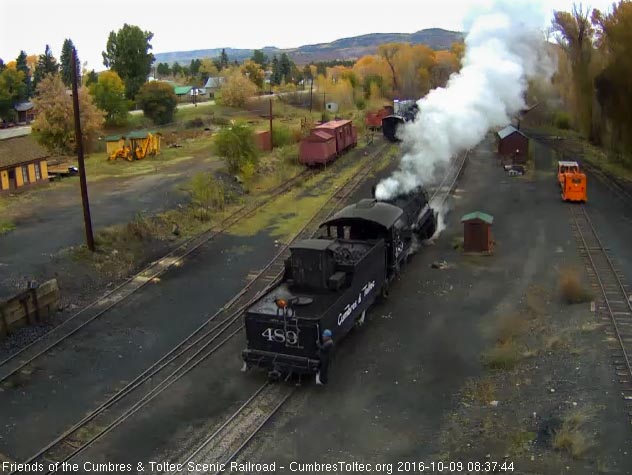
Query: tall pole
{"x": 82, "y": 167}
{"x": 271, "y": 144}
{"x": 311, "y": 96}
{"x": 324, "y": 108}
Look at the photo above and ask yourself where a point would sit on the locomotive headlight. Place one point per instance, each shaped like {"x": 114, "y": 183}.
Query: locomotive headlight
{"x": 281, "y": 303}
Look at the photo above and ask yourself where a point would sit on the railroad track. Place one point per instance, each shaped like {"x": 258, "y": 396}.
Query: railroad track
{"x": 26, "y": 355}
{"x": 224, "y": 445}
{"x": 226, "y": 442}
{"x": 193, "y": 350}
{"x": 614, "y": 304}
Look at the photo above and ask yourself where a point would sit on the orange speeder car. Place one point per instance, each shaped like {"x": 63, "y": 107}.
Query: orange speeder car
{"x": 572, "y": 181}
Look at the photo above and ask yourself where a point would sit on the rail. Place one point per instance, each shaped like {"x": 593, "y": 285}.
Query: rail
{"x": 616, "y": 299}
{"x": 193, "y": 349}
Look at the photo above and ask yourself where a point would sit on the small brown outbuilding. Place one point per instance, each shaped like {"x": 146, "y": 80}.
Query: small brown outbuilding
{"x": 513, "y": 144}
{"x": 477, "y": 233}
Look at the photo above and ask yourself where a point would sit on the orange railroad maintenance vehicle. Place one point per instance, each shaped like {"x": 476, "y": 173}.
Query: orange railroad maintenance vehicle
{"x": 572, "y": 181}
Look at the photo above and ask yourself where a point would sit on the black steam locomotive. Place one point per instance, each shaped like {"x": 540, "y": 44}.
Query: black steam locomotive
{"x": 404, "y": 111}
{"x": 331, "y": 281}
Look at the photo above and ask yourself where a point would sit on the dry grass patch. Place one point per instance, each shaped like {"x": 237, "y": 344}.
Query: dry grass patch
{"x": 590, "y": 327}
{"x": 503, "y": 356}
{"x": 536, "y": 300}
{"x": 571, "y": 287}
{"x": 480, "y": 391}
{"x": 573, "y": 437}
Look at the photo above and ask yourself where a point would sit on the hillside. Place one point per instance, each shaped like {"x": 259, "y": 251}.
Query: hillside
{"x": 345, "y": 48}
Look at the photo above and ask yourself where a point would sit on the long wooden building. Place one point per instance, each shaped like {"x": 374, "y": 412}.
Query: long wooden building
{"x": 23, "y": 162}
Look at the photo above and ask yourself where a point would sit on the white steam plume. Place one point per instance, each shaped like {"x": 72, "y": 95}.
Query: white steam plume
{"x": 504, "y": 49}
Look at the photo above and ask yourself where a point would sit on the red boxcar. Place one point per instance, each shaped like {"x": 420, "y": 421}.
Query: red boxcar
{"x": 343, "y": 131}
{"x": 317, "y": 148}
{"x": 374, "y": 119}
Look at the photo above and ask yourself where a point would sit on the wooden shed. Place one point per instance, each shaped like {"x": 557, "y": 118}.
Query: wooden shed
{"x": 513, "y": 144}
{"x": 263, "y": 140}
{"x": 114, "y": 143}
{"x": 477, "y": 233}
{"x": 22, "y": 162}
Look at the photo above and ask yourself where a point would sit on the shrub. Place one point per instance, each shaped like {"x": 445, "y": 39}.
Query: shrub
{"x": 158, "y": 102}
{"x": 571, "y": 287}
{"x": 562, "y": 120}
{"x": 207, "y": 192}
{"x": 282, "y": 135}
{"x": 236, "y": 146}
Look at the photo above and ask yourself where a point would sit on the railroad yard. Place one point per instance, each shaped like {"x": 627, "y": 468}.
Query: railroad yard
{"x": 389, "y": 253}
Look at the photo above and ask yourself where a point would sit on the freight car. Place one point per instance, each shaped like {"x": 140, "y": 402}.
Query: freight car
{"x": 373, "y": 120}
{"x": 327, "y": 141}
{"x": 405, "y": 111}
{"x": 332, "y": 280}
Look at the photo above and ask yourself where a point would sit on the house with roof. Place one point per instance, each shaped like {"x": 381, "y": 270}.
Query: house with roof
{"x": 213, "y": 84}
{"x": 512, "y": 143}
{"x": 25, "y": 112}
{"x": 23, "y": 162}
{"x": 182, "y": 92}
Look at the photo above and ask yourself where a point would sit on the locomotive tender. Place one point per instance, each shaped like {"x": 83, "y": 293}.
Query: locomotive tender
{"x": 330, "y": 281}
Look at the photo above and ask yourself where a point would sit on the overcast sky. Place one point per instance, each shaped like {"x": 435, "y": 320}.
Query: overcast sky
{"x": 195, "y": 24}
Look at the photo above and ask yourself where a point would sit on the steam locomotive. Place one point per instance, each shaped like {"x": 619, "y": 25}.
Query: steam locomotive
{"x": 331, "y": 281}
{"x": 404, "y": 111}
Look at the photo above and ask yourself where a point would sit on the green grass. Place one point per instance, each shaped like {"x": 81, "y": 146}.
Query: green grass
{"x": 6, "y": 226}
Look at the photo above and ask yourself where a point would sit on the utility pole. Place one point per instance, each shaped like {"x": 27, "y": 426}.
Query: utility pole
{"x": 311, "y": 96}
{"x": 271, "y": 144}
{"x": 82, "y": 167}
{"x": 324, "y": 108}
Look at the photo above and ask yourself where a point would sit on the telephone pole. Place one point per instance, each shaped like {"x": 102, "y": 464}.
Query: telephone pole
{"x": 324, "y": 108}
{"x": 271, "y": 144}
{"x": 82, "y": 167}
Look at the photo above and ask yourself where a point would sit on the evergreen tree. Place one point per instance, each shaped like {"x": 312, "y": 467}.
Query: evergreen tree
{"x": 2, "y": 65}
{"x": 66, "y": 62}
{"x": 260, "y": 58}
{"x": 46, "y": 64}
{"x": 163, "y": 69}
{"x": 223, "y": 60}
{"x": 92, "y": 78}
{"x": 285, "y": 68}
{"x": 24, "y": 69}
{"x": 276, "y": 72}
{"x": 194, "y": 67}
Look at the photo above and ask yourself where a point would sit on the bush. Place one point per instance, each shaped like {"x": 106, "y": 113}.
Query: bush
{"x": 282, "y": 135}
{"x": 562, "y": 120}
{"x": 158, "y": 102}
{"x": 207, "y": 192}
{"x": 236, "y": 146}
{"x": 571, "y": 287}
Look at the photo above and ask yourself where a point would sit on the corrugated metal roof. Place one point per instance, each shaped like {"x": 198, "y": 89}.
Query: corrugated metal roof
{"x": 140, "y": 134}
{"x": 24, "y": 106}
{"x": 18, "y": 150}
{"x": 333, "y": 124}
{"x": 180, "y": 90}
{"x": 214, "y": 82}
{"x": 507, "y": 131}
{"x": 114, "y": 138}
{"x": 489, "y": 219}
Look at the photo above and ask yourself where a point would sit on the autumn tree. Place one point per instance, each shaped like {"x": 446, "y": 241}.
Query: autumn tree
{"x": 128, "y": 53}
{"x": 109, "y": 96}
{"x": 253, "y": 71}
{"x": 158, "y": 101}
{"x": 208, "y": 68}
{"x": 387, "y": 52}
{"x": 66, "y": 62}
{"x": 46, "y": 64}
{"x": 12, "y": 90}
{"x": 236, "y": 146}
{"x": 236, "y": 90}
{"x": 614, "y": 39}
{"x": 54, "y": 124}
{"x": 575, "y": 34}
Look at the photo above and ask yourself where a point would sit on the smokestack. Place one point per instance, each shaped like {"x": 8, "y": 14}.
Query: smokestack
{"x": 504, "y": 49}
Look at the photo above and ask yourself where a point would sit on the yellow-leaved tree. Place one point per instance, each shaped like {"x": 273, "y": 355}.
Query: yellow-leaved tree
{"x": 54, "y": 124}
{"x": 237, "y": 89}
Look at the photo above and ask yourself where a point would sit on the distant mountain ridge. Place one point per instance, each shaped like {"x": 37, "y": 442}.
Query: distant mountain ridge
{"x": 344, "y": 48}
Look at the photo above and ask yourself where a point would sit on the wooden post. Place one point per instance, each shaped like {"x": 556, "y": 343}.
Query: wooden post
{"x": 87, "y": 220}
{"x": 271, "y": 143}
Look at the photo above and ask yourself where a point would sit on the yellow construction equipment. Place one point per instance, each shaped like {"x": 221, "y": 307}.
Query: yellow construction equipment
{"x": 141, "y": 144}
